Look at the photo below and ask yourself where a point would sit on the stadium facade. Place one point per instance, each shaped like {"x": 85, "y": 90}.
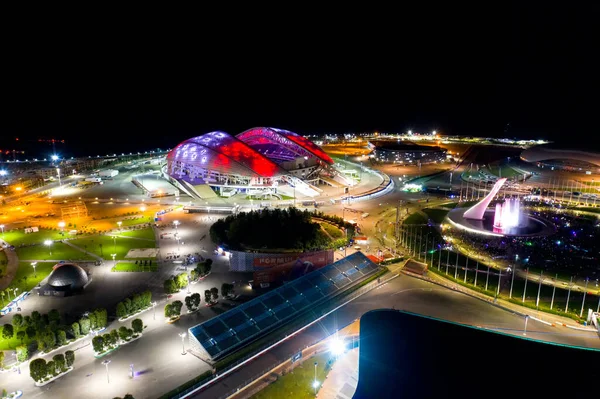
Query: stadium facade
{"x": 564, "y": 159}
{"x": 255, "y": 161}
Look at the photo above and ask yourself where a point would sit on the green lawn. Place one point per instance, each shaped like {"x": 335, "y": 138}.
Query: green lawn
{"x": 333, "y": 231}
{"x": 147, "y": 233}
{"x": 286, "y": 197}
{"x": 450, "y": 205}
{"x": 437, "y": 215}
{"x": 25, "y": 279}
{"x": 104, "y": 246}
{"x": 503, "y": 171}
{"x": 138, "y": 219}
{"x": 132, "y": 267}
{"x": 18, "y": 237}
{"x": 298, "y": 383}
{"x": 57, "y": 250}
{"x": 415, "y": 218}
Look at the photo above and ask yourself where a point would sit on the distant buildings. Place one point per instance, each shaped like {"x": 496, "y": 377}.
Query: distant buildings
{"x": 406, "y": 153}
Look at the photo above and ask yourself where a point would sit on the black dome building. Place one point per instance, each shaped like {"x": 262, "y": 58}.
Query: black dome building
{"x": 66, "y": 278}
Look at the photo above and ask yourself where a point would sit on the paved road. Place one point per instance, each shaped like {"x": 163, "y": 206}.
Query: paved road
{"x": 410, "y": 294}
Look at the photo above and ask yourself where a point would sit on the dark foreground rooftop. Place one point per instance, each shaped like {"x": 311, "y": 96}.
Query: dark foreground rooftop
{"x": 403, "y": 355}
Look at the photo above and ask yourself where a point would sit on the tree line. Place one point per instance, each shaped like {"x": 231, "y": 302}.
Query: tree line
{"x": 41, "y": 370}
{"x": 134, "y": 304}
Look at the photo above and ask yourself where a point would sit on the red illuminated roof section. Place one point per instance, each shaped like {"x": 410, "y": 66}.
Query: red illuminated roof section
{"x": 307, "y": 145}
{"x": 223, "y": 152}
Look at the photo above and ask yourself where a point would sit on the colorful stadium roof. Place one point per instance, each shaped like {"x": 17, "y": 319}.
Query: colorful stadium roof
{"x": 288, "y": 141}
{"x": 224, "y": 153}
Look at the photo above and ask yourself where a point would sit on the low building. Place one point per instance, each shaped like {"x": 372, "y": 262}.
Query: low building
{"x": 66, "y": 279}
{"x": 406, "y": 152}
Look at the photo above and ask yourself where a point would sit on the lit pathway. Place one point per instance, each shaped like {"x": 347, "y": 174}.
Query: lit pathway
{"x": 83, "y": 250}
{"x": 342, "y": 380}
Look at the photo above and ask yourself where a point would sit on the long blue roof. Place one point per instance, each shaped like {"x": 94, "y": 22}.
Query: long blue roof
{"x": 232, "y": 329}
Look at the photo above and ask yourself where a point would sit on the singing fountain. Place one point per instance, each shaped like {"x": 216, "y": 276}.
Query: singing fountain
{"x": 507, "y": 218}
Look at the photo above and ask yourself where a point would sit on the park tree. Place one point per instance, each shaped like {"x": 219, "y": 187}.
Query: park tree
{"x": 170, "y": 286}
{"x": 189, "y": 303}
{"x": 98, "y": 343}
{"x": 22, "y": 353}
{"x": 51, "y": 368}
{"x": 17, "y": 321}
{"x": 194, "y": 274}
{"x": 69, "y": 358}
{"x": 31, "y": 332}
{"x": 147, "y": 296}
{"x": 226, "y": 290}
{"x": 101, "y": 317}
{"x": 121, "y": 310}
{"x": 176, "y": 308}
{"x": 128, "y": 306}
{"x": 59, "y": 362}
{"x": 137, "y": 325}
{"x": 1, "y": 360}
{"x": 196, "y": 300}
{"x": 182, "y": 280}
{"x": 27, "y": 321}
{"x": 21, "y": 335}
{"x": 36, "y": 319}
{"x": 137, "y": 302}
{"x": 61, "y": 337}
{"x": 207, "y": 297}
{"x": 93, "y": 321}
{"x": 54, "y": 317}
{"x": 123, "y": 333}
{"x": 214, "y": 293}
{"x": 8, "y": 331}
{"x": 49, "y": 339}
{"x": 168, "y": 309}
{"x": 128, "y": 396}
{"x": 84, "y": 324}
{"x": 114, "y": 337}
{"x": 75, "y": 329}
{"x": 38, "y": 369}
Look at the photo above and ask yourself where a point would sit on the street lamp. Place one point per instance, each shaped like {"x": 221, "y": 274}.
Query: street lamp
{"x": 48, "y": 243}
{"x": 61, "y": 224}
{"x": 58, "y": 174}
{"x": 315, "y": 382}
{"x": 106, "y": 363}
{"x": 34, "y": 264}
{"x": 525, "y": 329}
{"x": 187, "y": 276}
{"x": 154, "y": 307}
{"x": 176, "y": 223}
{"x": 119, "y": 223}
{"x": 113, "y": 256}
{"x": 2, "y": 227}
{"x": 183, "y": 335}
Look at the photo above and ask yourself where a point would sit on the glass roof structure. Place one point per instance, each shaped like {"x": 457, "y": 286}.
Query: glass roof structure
{"x": 286, "y": 141}
{"x": 233, "y": 329}
{"x": 226, "y": 154}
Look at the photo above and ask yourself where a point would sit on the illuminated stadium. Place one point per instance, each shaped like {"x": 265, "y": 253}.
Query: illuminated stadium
{"x": 255, "y": 161}
{"x": 559, "y": 158}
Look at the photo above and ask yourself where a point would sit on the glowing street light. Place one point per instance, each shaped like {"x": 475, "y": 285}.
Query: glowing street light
{"x": 58, "y": 174}
{"x": 142, "y": 208}
{"x": 2, "y": 227}
{"x": 61, "y": 224}
{"x": 3, "y": 173}
{"x": 48, "y": 243}
{"x": 182, "y": 335}
{"x": 337, "y": 346}
{"x": 154, "y": 307}
{"x": 119, "y": 223}
{"x": 113, "y": 256}
{"x": 34, "y": 264}
{"x": 315, "y": 383}
{"x": 176, "y": 223}
{"x": 54, "y": 157}
{"x": 106, "y": 363}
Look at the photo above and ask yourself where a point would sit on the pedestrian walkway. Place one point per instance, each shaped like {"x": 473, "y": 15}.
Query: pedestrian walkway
{"x": 342, "y": 380}
{"x": 83, "y": 250}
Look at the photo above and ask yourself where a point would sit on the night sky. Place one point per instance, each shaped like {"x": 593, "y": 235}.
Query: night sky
{"x": 523, "y": 73}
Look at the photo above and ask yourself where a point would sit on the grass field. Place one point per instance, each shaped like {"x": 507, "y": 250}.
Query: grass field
{"x": 111, "y": 223}
{"x": 333, "y": 231}
{"x": 57, "y": 250}
{"x": 437, "y": 215}
{"x": 503, "y": 171}
{"x": 18, "y": 237}
{"x": 450, "y": 205}
{"x": 26, "y": 280}
{"x": 132, "y": 267}
{"x": 415, "y": 218}
{"x": 298, "y": 383}
{"x": 146, "y": 233}
{"x": 104, "y": 246}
